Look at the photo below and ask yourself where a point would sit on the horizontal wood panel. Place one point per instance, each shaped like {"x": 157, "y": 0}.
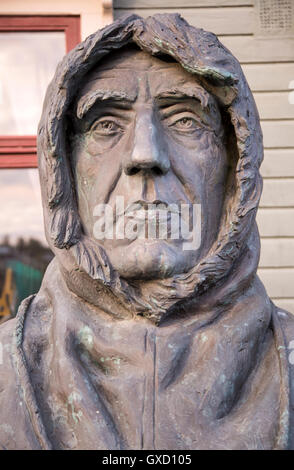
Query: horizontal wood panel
{"x": 231, "y": 21}
{"x": 285, "y": 304}
{"x": 269, "y": 77}
{"x": 178, "y": 3}
{"x": 276, "y": 222}
{"x": 278, "y": 282}
{"x": 274, "y": 105}
{"x": 278, "y": 162}
{"x": 253, "y": 49}
{"x": 28, "y": 160}
{"x": 278, "y": 134}
{"x": 277, "y": 193}
{"x": 277, "y": 252}
{"x": 18, "y": 151}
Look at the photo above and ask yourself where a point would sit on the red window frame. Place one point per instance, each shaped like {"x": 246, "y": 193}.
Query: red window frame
{"x": 20, "y": 151}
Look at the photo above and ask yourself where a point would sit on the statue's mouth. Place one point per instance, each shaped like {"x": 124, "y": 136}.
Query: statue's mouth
{"x": 156, "y": 207}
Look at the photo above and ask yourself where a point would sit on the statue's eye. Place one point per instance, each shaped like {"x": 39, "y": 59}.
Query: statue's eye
{"x": 185, "y": 124}
{"x": 106, "y": 127}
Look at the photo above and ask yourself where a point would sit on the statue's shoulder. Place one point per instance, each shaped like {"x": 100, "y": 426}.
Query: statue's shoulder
{"x": 9, "y": 390}
{"x": 7, "y": 339}
{"x": 286, "y": 322}
{"x": 16, "y": 431}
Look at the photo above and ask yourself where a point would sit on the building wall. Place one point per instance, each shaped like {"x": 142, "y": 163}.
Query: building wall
{"x": 267, "y": 58}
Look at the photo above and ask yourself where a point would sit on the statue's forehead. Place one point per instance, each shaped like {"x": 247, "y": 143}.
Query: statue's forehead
{"x": 127, "y": 72}
{"x": 136, "y": 60}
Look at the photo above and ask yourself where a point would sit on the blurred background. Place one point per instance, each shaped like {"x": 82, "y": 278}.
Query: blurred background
{"x": 35, "y": 35}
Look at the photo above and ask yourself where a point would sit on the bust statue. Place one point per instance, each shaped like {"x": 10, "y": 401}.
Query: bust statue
{"x": 151, "y": 329}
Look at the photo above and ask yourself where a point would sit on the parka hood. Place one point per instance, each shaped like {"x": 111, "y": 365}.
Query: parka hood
{"x": 201, "y": 54}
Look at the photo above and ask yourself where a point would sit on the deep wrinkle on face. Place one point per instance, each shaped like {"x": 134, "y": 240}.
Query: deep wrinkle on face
{"x": 106, "y": 88}
{"x": 143, "y": 130}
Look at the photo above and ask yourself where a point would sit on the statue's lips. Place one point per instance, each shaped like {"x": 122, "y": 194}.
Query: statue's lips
{"x": 151, "y": 210}
{"x": 154, "y": 220}
{"x": 149, "y": 214}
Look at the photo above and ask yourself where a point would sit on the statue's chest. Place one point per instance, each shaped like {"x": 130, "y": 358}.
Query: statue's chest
{"x": 169, "y": 396}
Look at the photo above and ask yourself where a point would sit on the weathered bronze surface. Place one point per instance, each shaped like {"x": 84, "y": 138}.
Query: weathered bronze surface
{"x": 141, "y": 343}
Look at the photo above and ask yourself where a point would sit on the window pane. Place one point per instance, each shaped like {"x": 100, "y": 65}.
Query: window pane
{"x": 24, "y": 254}
{"x": 27, "y": 64}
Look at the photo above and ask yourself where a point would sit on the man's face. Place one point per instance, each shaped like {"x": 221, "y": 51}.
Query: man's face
{"x": 149, "y": 136}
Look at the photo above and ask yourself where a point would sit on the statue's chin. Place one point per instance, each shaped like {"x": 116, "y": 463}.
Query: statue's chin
{"x": 151, "y": 259}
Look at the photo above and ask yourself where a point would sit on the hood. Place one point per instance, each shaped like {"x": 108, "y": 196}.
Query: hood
{"x": 84, "y": 263}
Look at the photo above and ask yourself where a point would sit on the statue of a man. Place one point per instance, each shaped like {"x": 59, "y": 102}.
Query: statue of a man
{"x": 151, "y": 329}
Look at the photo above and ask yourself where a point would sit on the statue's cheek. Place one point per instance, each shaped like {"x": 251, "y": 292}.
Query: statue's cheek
{"x": 199, "y": 152}
{"x": 97, "y": 146}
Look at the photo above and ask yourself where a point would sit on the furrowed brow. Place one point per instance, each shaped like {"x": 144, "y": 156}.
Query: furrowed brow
{"x": 86, "y": 102}
{"x": 200, "y": 95}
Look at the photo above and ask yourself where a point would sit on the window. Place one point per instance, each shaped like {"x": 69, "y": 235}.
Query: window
{"x": 30, "y": 48}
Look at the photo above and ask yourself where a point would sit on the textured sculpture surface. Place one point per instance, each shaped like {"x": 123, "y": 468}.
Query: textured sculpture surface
{"x": 149, "y": 339}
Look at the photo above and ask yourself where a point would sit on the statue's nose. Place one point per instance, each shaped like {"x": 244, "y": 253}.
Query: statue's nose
{"x": 148, "y": 153}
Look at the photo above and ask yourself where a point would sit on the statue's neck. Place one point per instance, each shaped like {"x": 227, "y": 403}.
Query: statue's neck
{"x": 156, "y": 300}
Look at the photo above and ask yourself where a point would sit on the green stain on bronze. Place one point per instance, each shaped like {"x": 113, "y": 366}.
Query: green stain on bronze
{"x": 72, "y": 399}
{"x": 85, "y": 336}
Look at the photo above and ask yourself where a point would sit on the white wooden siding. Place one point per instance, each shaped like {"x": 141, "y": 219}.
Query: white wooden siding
{"x": 278, "y": 162}
{"x": 268, "y": 64}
